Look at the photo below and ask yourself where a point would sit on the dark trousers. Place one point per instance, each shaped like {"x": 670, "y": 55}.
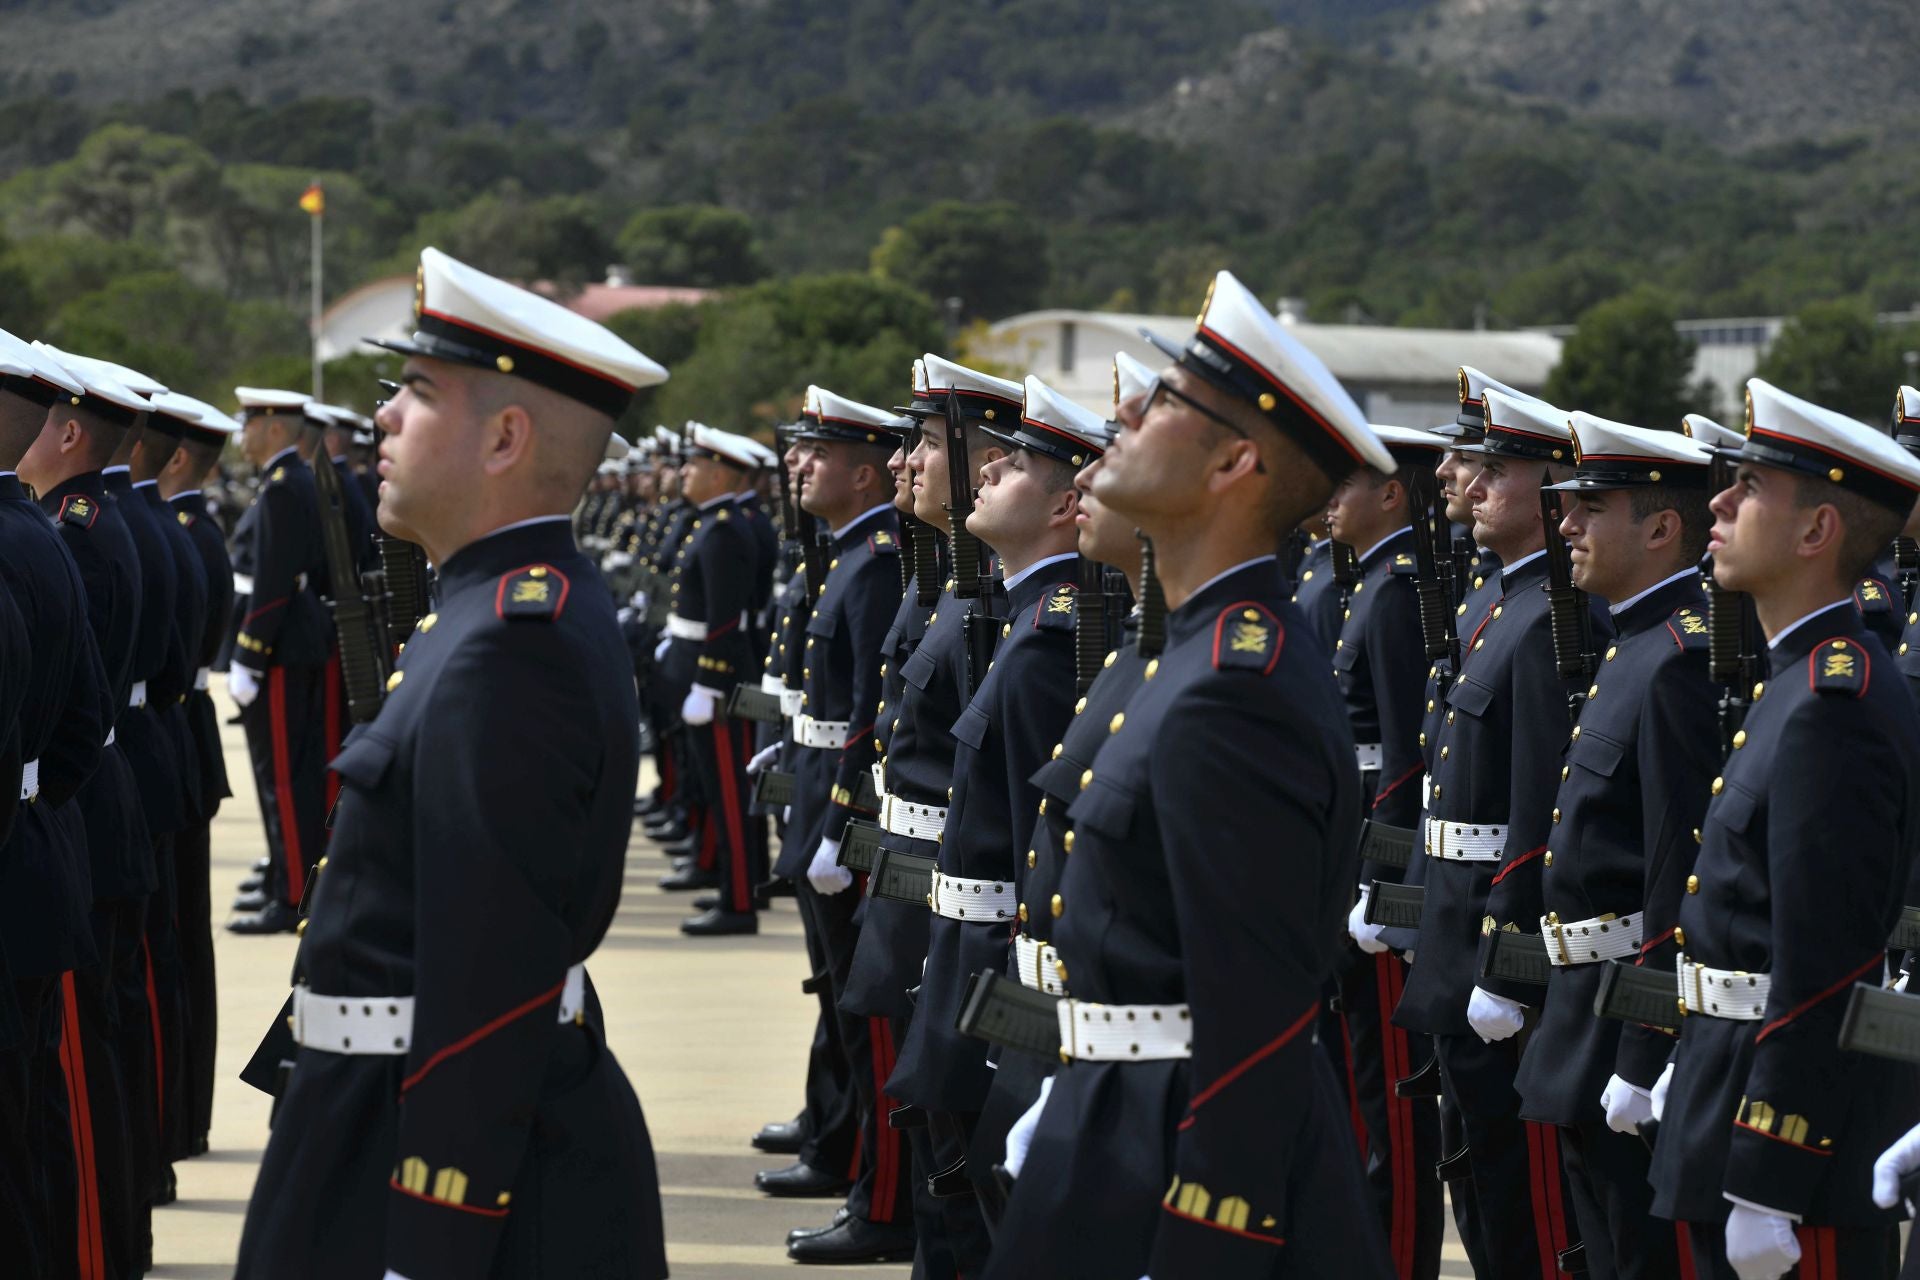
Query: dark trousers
{"x": 1521, "y": 1212}
{"x": 1613, "y": 1204}
{"x": 832, "y": 1118}
{"x": 166, "y": 992}
{"x": 721, "y": 750}
{"x": 956, "y": 1221}
{"x": 192, "y": 850}
{"x": 1826, "y": 1253}
{"x": 286, "y": 739}
{"x": 882, "y": 1190}
{"x": 34, "y": 1158}
{"x": 1401, "y": 1139}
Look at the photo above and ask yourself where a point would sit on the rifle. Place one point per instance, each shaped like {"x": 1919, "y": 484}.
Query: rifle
{"x": 1906, "y": 565}
{"x": 1573, "y": 649}
{"x": 403, "y": 575}
{"x": 1153, "y": 604}
{"x": 789, "y": 503}
{"x": 1462, "y": 574}
{"x": 1434, "y": 576}
{"x": 971, "y": 575}
{"x": 1293, "y": 553}
{"x": 1733, "y": 641}
{"x": 1090, "y": 646}
{"x": 1346, "y": 571}
{"x": 362, "y": 667}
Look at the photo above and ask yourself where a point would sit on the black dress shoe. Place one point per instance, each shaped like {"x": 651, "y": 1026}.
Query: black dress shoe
{"x": 681, "y": 848}
{"x": 250, "y": 900}
{"x": 252, "y": 884}
{"x": 646, "y": 806}
{"x": 840, "y": 1215}
{"x": 275, "y": 917}
{"x": 717, "y": 924}
{"x": 169, "y": 1189}
{"x": 800, "y": 1179}
{"x": 664, "y": 827}
{"x": 689, "y": 880}
{"x": 856, "y": 1240}
{"x": 778, "y": 888}
{"x": 708, "y": 901}
{"x": 780, "y": 1139}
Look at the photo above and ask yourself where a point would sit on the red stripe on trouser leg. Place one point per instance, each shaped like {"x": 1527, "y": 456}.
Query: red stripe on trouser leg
{"x": 886, "y": 1142}
{"x": 91, "y": 1246}
{"x": 1354, "y": 1116}
{"x": 1537, "y": 1183}
{"x": 1683, "y": 1242}
{"x": 1555, "y": 1237}
{"x": 283, "y": 786}
{"x": 336, "y": 688}
{"x": 732, "y": 813}
{"x": 1819, "y": 1253}
{"x": 153, "y": 1021}
{"x": 700, "y": 820}
{"x": 1394, "y": 1055}
{"x": 669, "y": 779}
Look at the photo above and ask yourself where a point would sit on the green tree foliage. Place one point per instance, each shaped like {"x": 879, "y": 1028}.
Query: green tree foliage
{"x": 1833, "y": 354}
{"x": 557, "y": 238}
{"x": 172, "y": 330}
{"x": 691, "y": 244}
{"x": 1625, "y": 362}
{"x": 993, "y": 257}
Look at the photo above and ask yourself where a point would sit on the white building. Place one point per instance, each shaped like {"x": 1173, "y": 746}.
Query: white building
{"x": 1400, "y": 377}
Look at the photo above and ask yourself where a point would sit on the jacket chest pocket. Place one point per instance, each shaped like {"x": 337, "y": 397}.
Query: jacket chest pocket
{"x": 918, "y": 669}
{"x": 1596, "y": 753}
{"x": 972, "y": 726}
{"x": 365, "y": 760}
{"x": 1346, "y": 657}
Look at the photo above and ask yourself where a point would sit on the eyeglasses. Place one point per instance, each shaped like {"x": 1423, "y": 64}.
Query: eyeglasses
{"x": 1160, "y": 385}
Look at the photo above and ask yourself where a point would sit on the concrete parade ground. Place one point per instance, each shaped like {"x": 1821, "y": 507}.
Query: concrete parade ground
{"x": 712, "y": 1032}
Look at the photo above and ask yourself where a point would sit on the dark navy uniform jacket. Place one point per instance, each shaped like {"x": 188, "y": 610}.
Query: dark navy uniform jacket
{"x": 1003, "y": 735}
{"x": 713, "y": 582}
{"x": 204, "y": 535}
{"x": 158, "y": 658}
{"x": 359, "y": 511}
{"x": 1317, "y": 594}
{"x": 1237, "y": 1162}
{"x": 16, "y": 668}
{"x": 1496, "y": 760}
{"x": 168, "y": 698}
{"x": 839, "y": 668}
{"x": 787, "y": 633}
{"x": 1881, "y": 606}
{"x": 477, "y": 852}
{"x": 1632, "y": 793}
{"x": 120, "y": 851}
{"x": 1804, "y": 856}
{"x": 285, "y": 623}
{"x": 45, "y": 882}
{"x": 918, "y": 763}
{"x": 1382, "y": 668}
{"x": 766, "y": 556}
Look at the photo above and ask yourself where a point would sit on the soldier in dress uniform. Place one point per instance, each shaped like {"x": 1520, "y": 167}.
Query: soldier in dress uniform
{"x": 45, "y": 887}
{"x": 917, "y": 729}
{"x": 105, "y": 1061}
{"x": 1198, "y": 938}
{"x": 671, "y": 523}
{"x": 454, "y": 1109}
{"x": 1026, "y": 513}
{"x": 205, "y": 433}
{"x": 1380, "y": 661}
{"x": 707, "y": 651}
{"x": 1486, "y": 827}
{"x": 1631, "y": 795}
{"x": 1906, "y": 432}
{"x": 278, "y": 675}
{"x": 1315, "y": 590}
{"x": 1769, "y": 1131}
{"x": 844, "y": 483}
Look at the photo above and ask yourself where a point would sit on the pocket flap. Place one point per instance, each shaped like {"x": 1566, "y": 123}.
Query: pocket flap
{"x": 1470, "y": 696}
{"x": 1596, "y": 753}
{"x": 364, "y": 759}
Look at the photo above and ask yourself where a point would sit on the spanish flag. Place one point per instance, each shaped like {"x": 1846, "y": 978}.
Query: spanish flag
{"x": 314, "y": 200}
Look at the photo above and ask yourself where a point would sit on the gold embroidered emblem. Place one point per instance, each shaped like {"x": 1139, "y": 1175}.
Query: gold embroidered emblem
{"x": 183, "y": 517}
{"x": 529, "y": 592}
{"x": 419, "y": 291}
{"x": 1870, "y": 591}
{"x": 1693, "y": 624}
{"x": 1062, "y": 602}
{"x": 1837, "y": 666}
{"x": 279, "y": 474}
{"x": 883, "y": 539}
{"x": 82, "y": 508}
{"x": 1249, "y": 637}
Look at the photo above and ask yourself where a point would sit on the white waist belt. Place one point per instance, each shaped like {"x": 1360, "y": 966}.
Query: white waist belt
{"x": 1426, "y": 790}
{"x": 829, "y": 734}
{"x": 1723, "y": 993}
{"x": 384, "y": 1024}
{"x": 915, "y": 821}
{"x": 243, "y": 584}
{"x": 1038, "y": 965}
{"x": 138, "y": 698}
{"x": 791, "y": 700}
{"x": 879, "y": 780}
{"x": 1591, "y": 941}
{"x": 30, "y": 780}
{"x": 1092, "y": 1032}
{"x": 770, "y": 683}
{"x": 201, "y": 677}
{"x": 685, "y": 628}
{"x": 978, "y": 901}
{"x": 1368, "y": 754}
{"x": 1465, "y": 841}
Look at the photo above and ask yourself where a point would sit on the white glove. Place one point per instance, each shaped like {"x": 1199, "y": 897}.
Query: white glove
{"x": 1020, "y": 1137}
{"x": 1902, "y": 1157}
{"x": 1367, "y": 936}
{"x": 1494, "y": 1017}
{"x": 623, "y": 615}
{"x": 615, "y": 560}
{"x": 660, "y": 650}
{"x": 1628, "y": 1106}
{"x": 699, "y": 705}
{"x": 639, "y": 601}
{"x": 1900, "y": 983}
{"x": 243, "y": 683}
{"x": 1760, "y": 1244}
{"x": 825, "y": 873}
{"x": 762, "y": 760}
{"x": 1660, "y": 1087}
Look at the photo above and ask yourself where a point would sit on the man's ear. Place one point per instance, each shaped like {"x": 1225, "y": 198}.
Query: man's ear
{"x": 1066, "y": 505}
{"x": 507, "y": 439}
{"x": 1824, "y": 531}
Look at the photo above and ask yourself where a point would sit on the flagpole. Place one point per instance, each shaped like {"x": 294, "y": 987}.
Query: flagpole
{"x": 314, "y": 291}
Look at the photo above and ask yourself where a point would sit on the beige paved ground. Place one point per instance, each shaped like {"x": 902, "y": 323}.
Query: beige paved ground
{"x": 711, "y": 1032}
